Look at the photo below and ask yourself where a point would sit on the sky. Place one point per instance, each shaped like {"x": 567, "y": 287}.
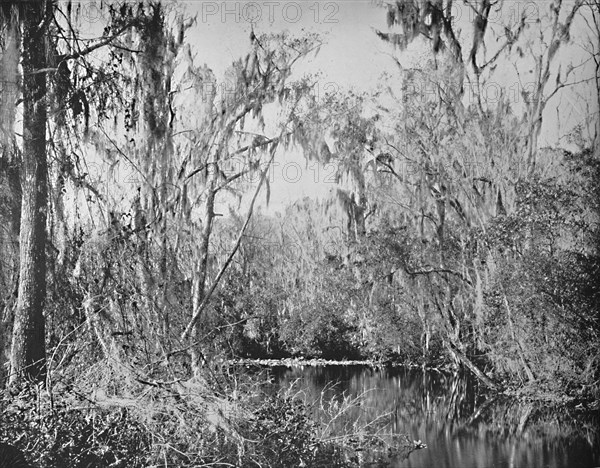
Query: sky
{"x": 223, "y": 28}
{"x": 354, "y": 57}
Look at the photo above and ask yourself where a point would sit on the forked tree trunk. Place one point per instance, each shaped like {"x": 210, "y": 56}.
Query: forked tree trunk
{"x": 28, "y": 352}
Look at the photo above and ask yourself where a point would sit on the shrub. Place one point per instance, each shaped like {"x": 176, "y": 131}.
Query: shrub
{"x": 70, "y": 432}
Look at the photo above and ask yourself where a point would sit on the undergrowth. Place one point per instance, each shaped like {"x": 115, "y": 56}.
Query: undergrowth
{"x": 199, "y": 422}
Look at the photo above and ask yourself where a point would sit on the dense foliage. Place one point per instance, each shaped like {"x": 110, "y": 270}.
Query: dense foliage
{"x": 136, "y": 261}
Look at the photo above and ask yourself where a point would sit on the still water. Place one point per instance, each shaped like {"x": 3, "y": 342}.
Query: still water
{"x": 461, "y": 427}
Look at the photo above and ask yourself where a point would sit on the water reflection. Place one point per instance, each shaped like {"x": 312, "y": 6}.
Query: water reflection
{"x": 462, "y": 429}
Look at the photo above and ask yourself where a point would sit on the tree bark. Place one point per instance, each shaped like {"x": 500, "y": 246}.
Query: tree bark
{"x": 28, "y": 352}
{"x": 199, "y": 285}
{"x": 10, "y": 184}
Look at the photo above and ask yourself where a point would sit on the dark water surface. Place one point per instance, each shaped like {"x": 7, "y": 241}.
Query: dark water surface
{"x": 462, "y": 429}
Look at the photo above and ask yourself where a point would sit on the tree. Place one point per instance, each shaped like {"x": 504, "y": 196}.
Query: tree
{"x": 31, "y": 22}
{"x": 187, "y": 143}
{"x": 433, "y": 157}
{"x": 28, "y": 352}
{"x": 451, "y": 197}
{"x": 10, "y": 183}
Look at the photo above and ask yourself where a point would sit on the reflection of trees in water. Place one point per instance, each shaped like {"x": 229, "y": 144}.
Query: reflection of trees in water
{"x": 453, "y": 416}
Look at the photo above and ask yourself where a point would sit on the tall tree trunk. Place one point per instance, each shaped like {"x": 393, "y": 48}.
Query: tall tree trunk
{"x": 10, "y": 184}
{"x": 28, "y": 352}
{"x": 9, "y": 64}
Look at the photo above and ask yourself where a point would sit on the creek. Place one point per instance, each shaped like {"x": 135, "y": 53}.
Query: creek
{"x": 462, "y": 427}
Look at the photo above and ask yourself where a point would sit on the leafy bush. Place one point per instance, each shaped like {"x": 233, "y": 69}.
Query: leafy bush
{"x": 60, "y": 432}
{"x": 183, "y": 425}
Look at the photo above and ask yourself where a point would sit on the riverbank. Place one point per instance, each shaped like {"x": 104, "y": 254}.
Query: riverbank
{"x": 299, "y": 362}
{"x": 534, "y": 392}
{"x": 462, "y": 423}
